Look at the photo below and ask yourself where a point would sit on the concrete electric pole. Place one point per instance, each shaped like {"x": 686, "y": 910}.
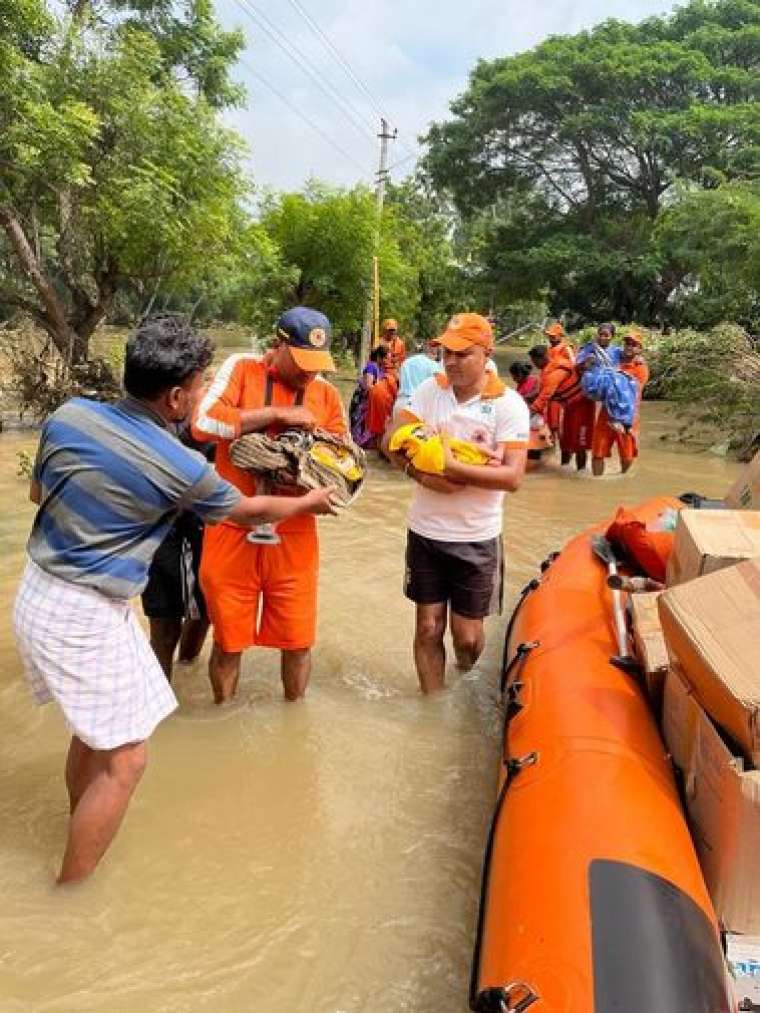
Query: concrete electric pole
{"x": 372, "y": 310}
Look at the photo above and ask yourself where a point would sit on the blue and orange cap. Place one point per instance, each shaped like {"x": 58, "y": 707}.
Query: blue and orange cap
{"x": 308, "y": 335}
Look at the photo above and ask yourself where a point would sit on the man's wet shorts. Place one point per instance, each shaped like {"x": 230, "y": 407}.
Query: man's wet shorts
{"x": 467, "y": 575}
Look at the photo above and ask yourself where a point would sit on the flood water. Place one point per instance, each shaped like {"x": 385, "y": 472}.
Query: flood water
{"x": 322, "y": 857}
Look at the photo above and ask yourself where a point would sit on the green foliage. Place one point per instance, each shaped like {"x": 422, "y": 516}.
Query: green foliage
{"x": 714, "y": 377}
{"x": 424, "y": 228}
{"x": 115, "y": 173}
{"x": 326, "y": 240}
{"x": 713, "y": 236}
{"x": 562, "y": 160}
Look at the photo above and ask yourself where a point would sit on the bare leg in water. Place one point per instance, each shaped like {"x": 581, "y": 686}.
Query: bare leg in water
{"x": 469, "y": 640}
{"x": 295, "y": 669}
{"x": 224, "y": 673}
{"x": 164, "y": 637}
{"x": 193, "y": 637}
{"x": 100, "y": 783}
{"x": 429, "y": 650}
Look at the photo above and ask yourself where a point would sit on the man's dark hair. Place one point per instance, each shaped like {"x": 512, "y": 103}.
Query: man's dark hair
{"x": 610, "y": 328}
{"x": 378, "y": 354}
{"x": 163, "y": 352}
{"x": 539, "y": 352}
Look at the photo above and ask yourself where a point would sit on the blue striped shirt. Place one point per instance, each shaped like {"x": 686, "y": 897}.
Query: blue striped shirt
{"x": 112, "y": 479}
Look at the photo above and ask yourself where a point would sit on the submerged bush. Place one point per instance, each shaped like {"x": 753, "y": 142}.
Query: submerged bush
{"x": 714, "y": 378}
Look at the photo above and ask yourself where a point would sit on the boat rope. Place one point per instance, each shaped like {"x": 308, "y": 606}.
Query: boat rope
{"x": 527, "y": 590}
{"x": 521, "y": 653}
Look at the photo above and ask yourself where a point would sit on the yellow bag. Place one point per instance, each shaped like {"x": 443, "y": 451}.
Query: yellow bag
{"x": 426, "y": 451}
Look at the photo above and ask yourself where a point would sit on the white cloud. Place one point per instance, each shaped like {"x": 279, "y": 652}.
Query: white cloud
{"x": 414, "y": 56}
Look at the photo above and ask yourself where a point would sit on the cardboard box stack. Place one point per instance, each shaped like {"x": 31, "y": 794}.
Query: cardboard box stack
{"x": 649, "y": 642}
{"x": 744, "y": 494}
{"x": 709, "y": 540}
{"x": 710, "y": 617}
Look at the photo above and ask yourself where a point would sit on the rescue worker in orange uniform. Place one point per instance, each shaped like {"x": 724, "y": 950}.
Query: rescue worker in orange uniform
{"x": 560, "y": 388}
{"x": 560, "y": 350}
{"x": 607, "y": 435}
{"x": 265, "y": 595}
{"x": 389, "y": 337}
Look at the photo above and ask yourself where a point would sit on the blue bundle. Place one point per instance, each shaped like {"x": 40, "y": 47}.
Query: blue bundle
{"x": 617, "y": 391}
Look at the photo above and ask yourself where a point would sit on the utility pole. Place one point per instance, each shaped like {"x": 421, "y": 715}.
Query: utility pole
{"x": 372, "y": 309}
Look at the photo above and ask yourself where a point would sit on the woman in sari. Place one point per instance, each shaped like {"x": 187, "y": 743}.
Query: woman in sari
{"x": 368, "y": 400}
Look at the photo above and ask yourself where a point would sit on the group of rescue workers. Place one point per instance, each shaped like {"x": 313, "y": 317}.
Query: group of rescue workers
{"x": 115, "y": 485}
{"x": 578, "y": 423}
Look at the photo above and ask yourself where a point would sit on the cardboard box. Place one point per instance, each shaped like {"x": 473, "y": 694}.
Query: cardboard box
{"x": 744, "y": 494}
{"x": 743, "y": 955}
{"x": 709, "y": 540}
{"x": 650, "y": 645}
{"x": 712, "y": 628}
{"x": 723, "y": 807}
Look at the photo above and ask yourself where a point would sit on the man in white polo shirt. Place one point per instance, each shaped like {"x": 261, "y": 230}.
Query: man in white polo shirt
{"x": 454, "y": 550}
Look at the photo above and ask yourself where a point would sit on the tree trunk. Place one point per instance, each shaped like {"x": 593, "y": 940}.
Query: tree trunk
{"x": 53, "y": 318}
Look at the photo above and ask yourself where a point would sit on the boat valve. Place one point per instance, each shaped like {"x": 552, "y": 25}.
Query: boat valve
{"x": 518, "y": 763}
{"x": 515, "y": 997}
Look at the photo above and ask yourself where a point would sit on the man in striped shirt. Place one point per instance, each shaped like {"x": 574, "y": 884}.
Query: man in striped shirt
{"x": 109, "y": 480}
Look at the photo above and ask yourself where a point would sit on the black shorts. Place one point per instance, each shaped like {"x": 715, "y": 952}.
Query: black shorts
{"x": 173, "y": 590}
{"x": 467, "y": 575}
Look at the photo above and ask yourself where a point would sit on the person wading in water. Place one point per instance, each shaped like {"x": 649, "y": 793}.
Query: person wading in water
{"x": 251, "y": 395}
{"x": 454, "y": 544}
{"x": 109, "y": 480}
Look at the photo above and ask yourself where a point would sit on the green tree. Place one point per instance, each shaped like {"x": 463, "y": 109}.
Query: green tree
{"x": 426, "y": 228}
{"x": 571, "y": 151}
{"x": 114, "y": 170}
{"x": 326, "y": 236}
{"x": 713, "y": 236}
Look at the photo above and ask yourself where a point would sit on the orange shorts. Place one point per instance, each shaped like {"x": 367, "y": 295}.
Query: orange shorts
{"x": 577, "y": 431}
{"x": 260, "y": 595}
{"x": 605, "y": 438}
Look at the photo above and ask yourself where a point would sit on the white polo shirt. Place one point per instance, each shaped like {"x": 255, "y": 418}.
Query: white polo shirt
{"x": 496, "y": 416}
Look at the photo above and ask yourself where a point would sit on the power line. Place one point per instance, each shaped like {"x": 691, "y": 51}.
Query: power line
{"x": 309, "y": 122}
{"x": 341, "y": 59}
{"x": 301, "y": 60}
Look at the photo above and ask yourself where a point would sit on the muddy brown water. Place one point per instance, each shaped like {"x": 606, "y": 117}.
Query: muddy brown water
{"x": 322, "y": 857}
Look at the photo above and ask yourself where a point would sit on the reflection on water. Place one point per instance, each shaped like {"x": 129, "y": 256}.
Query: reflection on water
{"x": 322, "y": 857}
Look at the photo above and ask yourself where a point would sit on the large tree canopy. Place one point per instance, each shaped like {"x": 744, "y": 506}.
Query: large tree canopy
{"x": 569, "y": 153}
{"x": 114, "y": 170}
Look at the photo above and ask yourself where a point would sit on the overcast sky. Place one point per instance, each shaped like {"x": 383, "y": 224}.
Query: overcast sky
{"x": 414, "y": 56}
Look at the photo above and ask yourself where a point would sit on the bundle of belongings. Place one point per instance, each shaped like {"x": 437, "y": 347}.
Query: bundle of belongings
{"x": 424, "y": 449}
{"x": 303, "y": 460}
{"x": 601, "y": 380}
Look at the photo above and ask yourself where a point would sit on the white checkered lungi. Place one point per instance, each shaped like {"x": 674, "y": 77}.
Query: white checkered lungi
{"x": 89, "y": 654}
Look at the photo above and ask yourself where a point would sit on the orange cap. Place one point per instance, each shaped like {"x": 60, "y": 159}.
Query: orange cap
{"x": 389, "y": 325}
{"x": 465, "y": 330}
{"x": 555, "y": 330}
{"x": 635, "y": 338}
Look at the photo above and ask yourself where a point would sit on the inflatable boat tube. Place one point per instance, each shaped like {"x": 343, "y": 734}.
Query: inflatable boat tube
{"x": 592, "y": 899}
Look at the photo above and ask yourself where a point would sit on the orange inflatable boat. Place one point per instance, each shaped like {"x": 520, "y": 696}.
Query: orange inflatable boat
{"x": 592, "y": 900}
